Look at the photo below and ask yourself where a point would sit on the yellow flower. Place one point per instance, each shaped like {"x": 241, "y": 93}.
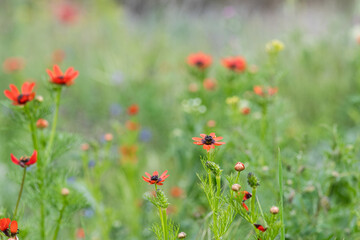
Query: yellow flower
{"x": 274, "y": 47}
{"x": 232, "y": 100}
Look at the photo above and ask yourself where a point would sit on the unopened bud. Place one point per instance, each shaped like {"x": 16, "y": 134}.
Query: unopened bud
{"x": 236, "y": 187}
{"x": 42, "y": 123}
{"x": 65, "y": 191}
{"x": 182, "y": 235}
{"x": 39, "y": 98}
{"x": 108, "y": 137}
{"x": 274, "y": 210}
{"x": 239, "y": 167}
{"x": 213, "y": 167}
{"x": 252, "y": 180}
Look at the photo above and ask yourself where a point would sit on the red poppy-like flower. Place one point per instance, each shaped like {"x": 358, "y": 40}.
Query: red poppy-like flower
{"x": 237, "y": 64}
{"x": 155, "y": 179}
{"x": 22, "y": 98}
{"x": 8, "y": 227}
{"x": 270, "y": 91}
{"x": 80, "y": 233}
{"x": 260, "y": 227}
{"x": 60, "y": 78}
{"x": 245, "y": 110}
{"x": 133, "y": 109}
{"x": 208, "y": 141}
{"x": 13, "y": 64}
{"x": 176, "y": 192}
{"x": 245, "y": 196}
{"x": 25, "y": 161}
{"x": 209, "y": 84}
{"x": 131, "y": 125}
{"x": 67, "y": 13}
{"x": 199, "y": 60}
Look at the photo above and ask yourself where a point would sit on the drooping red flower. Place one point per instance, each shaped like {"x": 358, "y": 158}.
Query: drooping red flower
{"x": 22, "y": 98}
{"x": 60, "y": 78}
{"x": 8, "y": 227}
{"x": 155, "y": 179}
{"x": 199, "y": 60}
{"x": 25, "y": 161}
{"x": 208, "y": 141}
{"x": 260, "y": 227}
{"x": 133, "y": 109}
{"x": 261, "y": 91}
{"x": 13, "y": 64}
{"x": 236, "y": 64}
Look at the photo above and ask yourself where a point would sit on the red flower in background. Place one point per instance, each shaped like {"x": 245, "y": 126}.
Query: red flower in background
{"x": 60, "y": 78}
{"x": 261, "y": 91}
{"x": 58, "y": 56}
{"x": 209, "y": 84}
{"x": 199, "y": 60}
{"x": 133, "y": 109}
{"x": 22, "y": 98}
{"x": 25, "y": 161}
{"x": 128, "y": 153}
{"x": 237, "y": 64}
{"x": 131, "y": 125}
{"x": 245, "y": 110}
{"x": 155, "y": 179}
{"x": 208, "y": 141}
{"x": 260, "y": 227}
{"x": 176, "y": 192}
{"x": 67, "y": 13}
{"x": 8, "y": 227}
{"x": 13, "y": 64}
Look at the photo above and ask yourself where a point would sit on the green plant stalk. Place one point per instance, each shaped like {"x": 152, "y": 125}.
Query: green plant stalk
{"x": 54, "y": 123}
{"x": 162, "y": 218}
{"x": 39, "y": 170}
{"x": 58, "y": 223}
{"x": 253, "y": 199}
{"x": 165, "y": 224}
{"x": 216, "y": 208}
{"x": 264, "y": 121}
{"x": 282, "y": 229}
{"x": 20, "y": 193}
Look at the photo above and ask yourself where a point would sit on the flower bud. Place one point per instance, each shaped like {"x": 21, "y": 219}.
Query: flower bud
{"x": 239, "y": 167}
{"x": 274, "y": 210}
{"x": 214, "y": 168}
{"x": 65, "y": 191}
{"x": 182, "y": 235}
{"x": 245, "y": 111}
{"x": 39, "y": 98}
{"x": 108, "y": 137}
{"x": 236, "y": 187}
{"x": 42, "y": 123}
{"x": 252, "y": 180}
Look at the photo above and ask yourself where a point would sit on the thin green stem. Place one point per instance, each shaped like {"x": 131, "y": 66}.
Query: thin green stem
{"x": 264, "y": 122}
{"x": 281, "y": 196}
{"x": 253, "y": 199}
{"x": 20, "y": 193}
{"x": 54, "y": 123}
{"x": 261, "y": 211}
{"x": 58, "y": 223}
{"x": 165, "y": 224}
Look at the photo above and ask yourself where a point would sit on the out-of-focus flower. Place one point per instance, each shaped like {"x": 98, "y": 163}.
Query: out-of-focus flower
{"x": 229, "y": 12}
{"x": 199, "y": 60}
{"x": 260, "y": 227}
{"x": 115, "y": 109}
{"x": 209, "y": 84}
{"x": 42, "y": 123}
{"x": 80, "y": 233}
{"x": 211, "y": 123}
{"x": 108, "y": 137}
{"x": 193, "y": 87}
{"x": 85, "y": 146}
{"x": 13, "y": 64}
{"x": 145, "y": 135}
{"x": 253, "y": 69}
{"x": 239, "y": 166}
{"x": 236, "y": 64}
{"x": 131, "y": 125}
{"x": 89, "y": 212}
{"x": 67, "y": 12}
{"x": 182, "y": 235}
{"x": 208, "y": 141}
{"x": 274, "y": 47}
{"x": 58, "y": 56}
{"x": 133, "y": 109}
{"x": 245, "y": 110}
{"x": 261, "y": 91}
{"x": 128, "y": 153}
{"x": 274, "y": 210}
{"x": 25, "y": 161}
{"x": 154, "y": 178}
{"x": 193, "y": 105}
{"x": 91, "y": 163}
{"x": 60, "y": 78}
{"x": 39, "y": 98}
{"x": 65, "y": 192}
{"x": 172, "y": 209}
{"x": 9, "y": 228}
{"x": 22, "y": 98}
{"x": 177, "y": 192}
{"x": 232, "y": 100}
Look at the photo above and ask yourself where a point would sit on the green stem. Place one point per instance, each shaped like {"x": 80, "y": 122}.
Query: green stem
{"x": 20, "y": 193}
{"x": 264, "y": 122}
{"x": 281, "y": 196}
{"x": 216, "y": 209}
{"x": 58, "y": 223}
{"x": 253, "y": 199}
{"x": 54, "y": 123}
{"x": 165, "y": 224}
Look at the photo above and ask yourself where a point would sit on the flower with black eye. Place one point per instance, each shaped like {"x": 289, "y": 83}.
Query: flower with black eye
{"x": 60, "y": 78}
{"x": 208, "y": 141}
{"x": 8, "y": 227}
{"x": 25, "y": 161}
{"x": 199, "y": 60}
{"x": 155, "y": 178}
{"x": 21, "y": 98}
{"x": 236, "y": 64}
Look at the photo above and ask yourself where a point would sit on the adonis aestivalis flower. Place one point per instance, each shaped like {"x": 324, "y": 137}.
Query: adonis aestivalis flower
{"x": 261, "y": 91}
{"x": 21, "y": 98}
{"x": 60, "y": 78}
{"x": 260, "y": 227}
{"x": 236, "y": 64}
{"x": 199, "y": 60}
{"x": 25, "y": 161}
{"x": 208, "y": 141}
{"x": 8, "y": 227}
{"x": 154, "y": 178}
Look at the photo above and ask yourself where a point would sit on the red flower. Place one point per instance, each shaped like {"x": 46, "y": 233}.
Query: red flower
{"x": 237, "y": 64}
{"x": 260, "y": 227}
{"x": 208, "y": 141}
{"x": 67, "y": 13}
{"x": 245, "y": 110}
{"x": 199, "y": 60}
{"x": 244, "y": 205}
{"x": 209, "y": 84}
{"x": 131, "y": 125}
{"x": 155, "y": 179}
{"x": 22, "y": 98}
{"x": 247, "y": 195}
{"x": 8, "y": 227}
{"x": 25, "y": 161}
{"x": 58, "y": 77}
{"x": 259, "y": 90}
{"x": 133, "y": 109}
{"x": 176, "y": 192}
{"x": 13, "y": 64}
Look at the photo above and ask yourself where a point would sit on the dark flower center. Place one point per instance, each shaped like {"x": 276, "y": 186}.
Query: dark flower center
{"x": 23, "y": 161}
{"x": 23, "y": 98}
{"x": 199, "y": 63}
{"x": 155, "y": 178}
{"x": 233, "y": 66}
{"x": 208, "y": 140}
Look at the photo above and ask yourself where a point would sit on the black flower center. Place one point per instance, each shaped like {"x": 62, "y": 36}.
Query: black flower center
{"x": 23, "y": 98}
{"x": 208, "y": 140}
{"x": 155, "y": 178}
{"x": 199, "y": 63}
{"x": 23, "y": 161}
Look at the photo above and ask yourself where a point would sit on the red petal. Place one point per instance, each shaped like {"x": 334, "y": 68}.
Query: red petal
{"x": 10, "y": 95}
{"x": 146, "y": 179}
{"x": 218, "y": 143}
{"x": 14, "y": 90}
{"x": 212, "y": 134}
{"x": 4, "y": 224}
{"x": 148, "y": 174}
{"x": 203, "y": 135}
{"x": 246, "y": 207}
{"x": 14, "y": 227}
{"x": 198, "y": 143}
{"x": 50, "y": 73}
{"x": 57, "y": 71}
{"x": 14, "y": 159}
{"x": 33, "y": 158}
{"x": 69, "y": 71}
{"x": 163, "y": 175}
{"x": 218, "y": 138}
{"x": 197, "y": 139}
{"x": 155, "y": 173}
